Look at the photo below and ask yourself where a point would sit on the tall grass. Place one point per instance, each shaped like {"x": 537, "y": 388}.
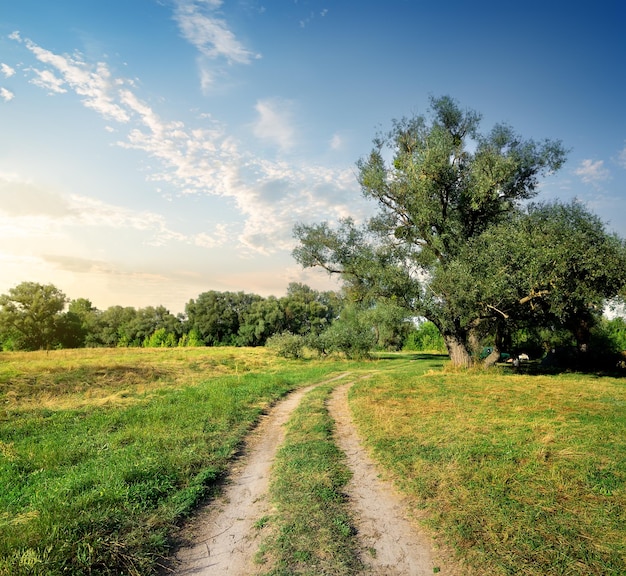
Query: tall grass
{"x": 521, "y": 475}
{"x": 102, "y": 452}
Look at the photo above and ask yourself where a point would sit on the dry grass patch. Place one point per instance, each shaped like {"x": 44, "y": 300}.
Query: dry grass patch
{"x": 522, "y": 474}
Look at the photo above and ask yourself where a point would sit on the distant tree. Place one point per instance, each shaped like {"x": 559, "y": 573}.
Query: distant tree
{"x": 78, "y": 326}
{"x": 352, "y": 334}
{"x": 149, "y": 320}
{"x": 30, "y": 315}
{"x": 615, "y": 329}
{"x": 190, "y": 339}
{"x": 160, "y": 338}
{"x": 262, "y": 319}
{"x": 425, "y": 338}
{"x": 114, "y": 326}
{"x": 390, "y": 323}
{"x": 307, "y": 310}
{"x": 217, "y": 316}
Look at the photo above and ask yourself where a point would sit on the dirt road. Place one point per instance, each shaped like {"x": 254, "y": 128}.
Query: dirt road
{"x": 224, "y": 535}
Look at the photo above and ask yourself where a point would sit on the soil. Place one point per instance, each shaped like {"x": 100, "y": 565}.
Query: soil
{"x": 224, "y": 537}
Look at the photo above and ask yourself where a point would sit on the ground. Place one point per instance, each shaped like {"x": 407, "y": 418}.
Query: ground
{"x": 223, "y": 538}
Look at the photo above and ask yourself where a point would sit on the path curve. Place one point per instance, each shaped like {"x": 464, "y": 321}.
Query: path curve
{"x": 390, "y": 544}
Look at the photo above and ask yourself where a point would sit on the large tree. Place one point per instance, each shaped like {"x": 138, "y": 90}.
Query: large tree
{"x": 445, "y": 187}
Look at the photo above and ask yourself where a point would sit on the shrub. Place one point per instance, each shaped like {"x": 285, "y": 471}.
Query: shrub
{"x": 287, "y": 345}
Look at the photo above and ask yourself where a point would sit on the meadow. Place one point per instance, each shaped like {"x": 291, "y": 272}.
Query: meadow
{"x": 105, "y": 452}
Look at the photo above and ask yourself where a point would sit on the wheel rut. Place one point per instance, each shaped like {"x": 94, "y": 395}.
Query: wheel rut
{"x": 391, "y": 545}
{"x": 224, "y": 538}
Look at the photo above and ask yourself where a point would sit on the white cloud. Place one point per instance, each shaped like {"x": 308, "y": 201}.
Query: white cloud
{"x": 6, "y": 94}
{"x": 336, "y": 142}
{"x": 6, "y": 70}
{"x": 208, "y": 34}
{"x": 92, "y": 82}
{"x": 275, "y": 123}
{"x": 47, "y": 80}
{"x": 204, "y": 159}
{"x": 591, "y": 172}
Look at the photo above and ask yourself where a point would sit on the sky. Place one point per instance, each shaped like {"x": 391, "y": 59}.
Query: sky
{"x": 152, "y": 150}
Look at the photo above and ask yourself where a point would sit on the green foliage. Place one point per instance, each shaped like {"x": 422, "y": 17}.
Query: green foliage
{"x": 30, "y": 316}
{"x": 161, "y": 338}
{"x": 190, "y": 339}
{"x": 390, "y": 322}
{"x": 217, "y": 316}
{"x": 449, "y": 203}
{"x": 425, "y": 338}
{"x": 287, "y": 345}
{"x": 615, "y": 330}
{"x": 307, "y": 311}
{"x": 351, "y": 335}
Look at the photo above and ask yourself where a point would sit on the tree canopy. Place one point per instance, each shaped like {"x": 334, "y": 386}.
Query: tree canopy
{"x": 30, "y": 315}
{"x": 454, "y": 238}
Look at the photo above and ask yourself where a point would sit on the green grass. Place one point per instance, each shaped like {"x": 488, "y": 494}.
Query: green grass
{"x": 103, "y": 452}
{"x": 312, "y": 530}
{"x": 521, "y": 475}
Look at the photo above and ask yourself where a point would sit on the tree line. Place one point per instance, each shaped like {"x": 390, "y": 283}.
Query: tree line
{"x": 34, "y": 316}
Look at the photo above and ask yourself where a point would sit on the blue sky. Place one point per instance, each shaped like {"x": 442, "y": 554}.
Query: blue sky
{"x": 151, "y": 150}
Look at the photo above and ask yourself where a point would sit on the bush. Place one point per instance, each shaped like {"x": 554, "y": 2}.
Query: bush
{"x": 349, "y": 336}
{"x": 287, "y": 345}
{"x": 160, "y": 338}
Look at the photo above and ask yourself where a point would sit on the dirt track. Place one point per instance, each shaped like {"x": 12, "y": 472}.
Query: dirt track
{"x": 224, "y": 535}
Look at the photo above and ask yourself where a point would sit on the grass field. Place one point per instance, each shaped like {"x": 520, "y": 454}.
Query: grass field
{"x": 103, "y": 452}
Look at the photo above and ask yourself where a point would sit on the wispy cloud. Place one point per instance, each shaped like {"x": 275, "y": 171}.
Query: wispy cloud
{"x": 33, "y": 209}
{"x": 93, "y": 83}
{"x": 209, "y": 34}
{"x": 336, "y": 142}
{"x": 203, "y": 159}
{"x": 592, "y": 172}
{"x": 48, "y": 81}
{"x": 621, "y": 157}
{"x": 6, "y": 70}
{"x": 6, "y": 94}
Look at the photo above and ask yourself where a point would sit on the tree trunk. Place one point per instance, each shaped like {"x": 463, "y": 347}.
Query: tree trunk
{"x": 492, "y": 358}
{"x": 497, "y": 347}
{"x": 457, "y": 349}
